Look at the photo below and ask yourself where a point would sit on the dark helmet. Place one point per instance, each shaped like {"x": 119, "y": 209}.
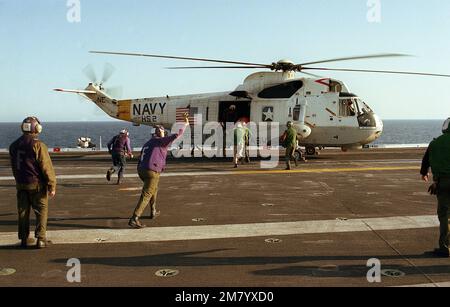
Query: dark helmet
{"x": 31, "y": 125}
{"x": 289, "y": 124}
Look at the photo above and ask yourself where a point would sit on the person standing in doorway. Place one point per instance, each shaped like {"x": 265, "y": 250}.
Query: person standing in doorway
{"x": 239, "y": 143}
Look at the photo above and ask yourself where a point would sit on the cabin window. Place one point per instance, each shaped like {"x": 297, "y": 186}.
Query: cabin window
{"x": 296, "y": 116}
{"x": 285, "y": 90}
{"x": 346, "y": 108}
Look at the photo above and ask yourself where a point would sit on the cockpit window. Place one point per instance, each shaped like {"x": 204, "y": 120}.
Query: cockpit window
{"x": 347, "y": 107}
{"x": 285, "y": 90}
{"x": 362, "y": 106}
{"x": 365, "y": 108}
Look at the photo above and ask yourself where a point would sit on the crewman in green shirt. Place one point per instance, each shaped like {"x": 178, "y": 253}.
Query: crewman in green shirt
{"x": 289, "y": 141}
{"x": 438, "y": 158}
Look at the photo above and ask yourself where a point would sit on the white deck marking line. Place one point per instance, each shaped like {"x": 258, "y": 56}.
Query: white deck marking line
{"x": 246, "y": 172}
{"x": 430, "y": 285}
{"x": 181, "y": 233}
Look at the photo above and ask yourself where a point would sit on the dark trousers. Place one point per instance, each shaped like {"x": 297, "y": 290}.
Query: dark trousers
{"x": 119, "y": 163}
{"x": 290, "y": 150}
{"x": 443, "y": 196}
{"x": 38, "y": 201}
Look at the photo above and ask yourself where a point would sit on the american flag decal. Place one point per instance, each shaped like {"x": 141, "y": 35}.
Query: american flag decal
{"x": 180, "y": 118}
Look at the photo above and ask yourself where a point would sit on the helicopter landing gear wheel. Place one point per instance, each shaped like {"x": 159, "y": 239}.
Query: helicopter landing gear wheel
{"x": 310, "y": 150}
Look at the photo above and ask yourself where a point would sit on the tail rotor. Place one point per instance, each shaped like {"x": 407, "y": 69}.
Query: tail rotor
{"x": 90, "y": 74}
{"x": 108, "y": 72}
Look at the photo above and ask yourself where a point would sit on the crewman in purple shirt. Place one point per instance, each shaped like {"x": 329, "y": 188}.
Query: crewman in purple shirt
{"x": 119, "y": 147}
{"x": 151, "y": 165}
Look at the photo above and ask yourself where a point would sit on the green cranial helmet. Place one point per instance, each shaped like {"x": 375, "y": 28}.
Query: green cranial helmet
{"x": 289, "y": 124}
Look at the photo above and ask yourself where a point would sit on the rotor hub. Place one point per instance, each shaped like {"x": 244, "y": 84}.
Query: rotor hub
{"x": 284, "y": 65}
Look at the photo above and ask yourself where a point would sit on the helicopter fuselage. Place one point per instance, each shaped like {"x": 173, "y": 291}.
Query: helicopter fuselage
{"x": 334, "y": 116}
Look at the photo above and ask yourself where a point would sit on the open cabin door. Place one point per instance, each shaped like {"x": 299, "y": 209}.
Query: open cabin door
{"x": 232, "y": 111}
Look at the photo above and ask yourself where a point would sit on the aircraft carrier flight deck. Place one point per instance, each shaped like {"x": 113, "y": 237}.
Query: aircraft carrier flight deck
{"x": 317, "y": 225}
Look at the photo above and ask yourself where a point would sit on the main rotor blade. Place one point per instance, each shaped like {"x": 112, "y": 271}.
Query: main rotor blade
{"x": 370, "y": 56}
{"x": 108, "y": 71}
{"x": 312, "y": 75}
{"x": 176, "y": 58}
{"x": 218, "y": 67}
{"x": 378, "y": 71}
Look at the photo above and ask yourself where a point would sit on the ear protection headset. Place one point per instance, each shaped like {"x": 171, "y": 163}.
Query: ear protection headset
{"x": 31, "y": 125}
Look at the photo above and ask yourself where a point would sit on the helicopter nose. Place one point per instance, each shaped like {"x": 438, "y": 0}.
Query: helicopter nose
{"x": 379, "y": 126}
{"x": 379, "y": 123}
{"x": 376, "y": 133}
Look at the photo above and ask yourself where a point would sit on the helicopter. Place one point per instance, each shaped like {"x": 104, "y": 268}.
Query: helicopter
{"x": 323, "y": 110}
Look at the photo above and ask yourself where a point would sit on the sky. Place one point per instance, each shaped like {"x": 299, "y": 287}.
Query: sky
{"x": 41, "y": 49}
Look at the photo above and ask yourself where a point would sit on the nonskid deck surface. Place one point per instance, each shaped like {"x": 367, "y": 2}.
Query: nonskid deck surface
{"x": 315, "y": 226}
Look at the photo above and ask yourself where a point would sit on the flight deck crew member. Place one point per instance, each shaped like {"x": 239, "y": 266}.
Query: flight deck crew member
{"x": 35, "y": 181}
{"x": 438, "y": 158}
{"x": 289, "y": 140}
{"x": 247, "y": 137}
{"x": 119, "y": 148}
{"x": 151, "y": 165}
{"x": 240, "y": 133}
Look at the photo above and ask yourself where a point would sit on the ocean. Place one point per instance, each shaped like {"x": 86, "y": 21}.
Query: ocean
{"x": 65, "y": 134}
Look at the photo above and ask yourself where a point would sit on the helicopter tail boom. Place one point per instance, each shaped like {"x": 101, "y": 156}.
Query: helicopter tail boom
{"x": 74, "y": 91}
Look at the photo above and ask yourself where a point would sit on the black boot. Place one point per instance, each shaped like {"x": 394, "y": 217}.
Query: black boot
{"x": 27, "y": 242}
{"x": 443, "y": 253}
{"x": 288, "y": 165}
{"x": 108, "y": 175}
